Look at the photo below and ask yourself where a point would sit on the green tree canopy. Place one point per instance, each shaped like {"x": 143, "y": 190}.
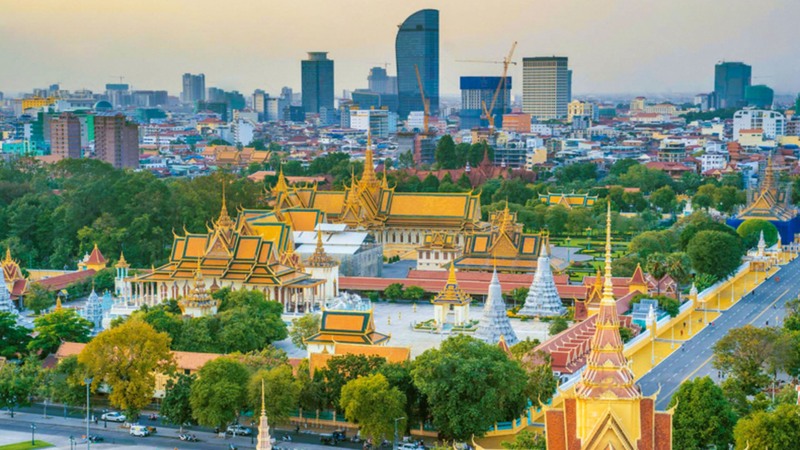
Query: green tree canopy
{"x": 342, "y": 369}
{"x": 38, "y": 299}
{"x": 703, "y": 418}
{"x": 15, "y": 337}
{"x": 776, "y": 429}
{"x": 303, "y": 328}
{"x": 220, "y": 392}
{"x": 373, "y": 404}
{"x": 750, "y": 230}
{"x": 715, "y": 253}
{"x": 176, "y": 407}
{"x": 63, "y": 325}
{"x": 750, "y": 354}
{"x": 18, "y": 382}
{"x": 470, "y": 385}
{"x": 446, "y": 152}
{"x": 280, "y": 387}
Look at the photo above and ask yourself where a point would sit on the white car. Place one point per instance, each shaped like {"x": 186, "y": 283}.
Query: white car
{"x": 139, "y": 430}
{"x": 238, "y": 430}
{"x": 113, "y": 416}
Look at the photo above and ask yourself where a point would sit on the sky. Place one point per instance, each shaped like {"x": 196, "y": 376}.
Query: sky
{"x": 614, "y": 46}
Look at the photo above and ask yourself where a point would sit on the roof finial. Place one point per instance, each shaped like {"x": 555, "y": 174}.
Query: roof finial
{"x": 263, "y": 409}
{"x": 451, "y": 279}
{"x": 608, "y": 287}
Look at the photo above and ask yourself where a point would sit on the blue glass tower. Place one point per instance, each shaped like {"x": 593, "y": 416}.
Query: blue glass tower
{"x": 417, "y": 44}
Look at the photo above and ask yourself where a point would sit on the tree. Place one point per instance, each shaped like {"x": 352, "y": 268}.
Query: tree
{"x": 267, "y": 358}
{"x": 556, "y": 218}
{"x": 470, "y": 385}
{"x": 18, "y": 382}
{"x": 303, "y": 328}
{"x": 526, "y": 440}
{"x": 127, "y": 359}
{"x": 664, "y": 198}
{"x": 446, "y": 152}
{"x": 393, "y": 291}
{"x": 373, "y": 404}
{"x": 649, "y": 242}
{"x": 63, "y": 325}
{"x": 750, "y": 354}
{"x": 776, "y": 429}
{"x": 715, "y": 253}
{"x": 521, "y": 348}
{"x": 558, "y": 325}
{"x": 280, "y": 387}
{"x": 405, "y": 160}
{"x": 15, "y": 337}
{"x": 704, "y": 418}
{"x": 414, "y": 292}
{"x": 176, "y": 407}
{"x": 38, "y": 298}
{"x": 430, "y": 183}
{"x": 342, "y": 369}
{"x": 68, "y": 381}
{"x": 750, "y": 230}
{"x": 399, "y": 376}
{"x": 542, "y": 383}
{"x": 220, "y": 392}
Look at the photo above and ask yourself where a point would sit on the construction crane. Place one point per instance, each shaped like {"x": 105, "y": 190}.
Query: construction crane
{"x": 384, "y": 64}
{"x": 500, "y": 86}
{"x": 426, "y": 105}
{"x": 118, "y": 76}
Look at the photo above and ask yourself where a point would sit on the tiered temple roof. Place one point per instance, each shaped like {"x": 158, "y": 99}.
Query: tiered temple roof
{"x": 348, "y": 327}
{"x": 543, "y": 298}
{"x": 15, "y": 281}
{"x": 502, "y": 246}
{"x": 93, "y": 312}
{"x": 370, "y": 203}
{"x": 6, "y": 304}
{"x": 199, "y": 301}
{"x": 495, "y": 322}
{"x": 451, "y": 294}
{"x": 569, "y": 200}
{"x": 320, "y": 258}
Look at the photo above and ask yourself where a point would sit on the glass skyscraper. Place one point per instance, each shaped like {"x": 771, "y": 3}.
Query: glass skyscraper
{"x": 317, "y": 80}
{"x": 730, "y": 81}
{"x": 417, "y": 44}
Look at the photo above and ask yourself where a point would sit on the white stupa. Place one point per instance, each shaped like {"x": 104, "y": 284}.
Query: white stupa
{"x": 495, "y": 323}
{"x": 93, "y": 312}
{"x": 543, "y": 299}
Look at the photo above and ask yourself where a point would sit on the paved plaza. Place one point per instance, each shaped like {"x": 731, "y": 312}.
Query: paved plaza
{"x": 397, "y": 320}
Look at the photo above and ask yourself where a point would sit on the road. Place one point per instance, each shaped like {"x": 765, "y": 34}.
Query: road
{"x": 57, "y": 430}
{"x": 765, "y": 304}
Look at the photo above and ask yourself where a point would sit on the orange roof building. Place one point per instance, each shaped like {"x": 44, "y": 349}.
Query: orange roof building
{"x": 94, "y": 260}
{"x": 607, "y": 410}
{"x": 345, "y": 327}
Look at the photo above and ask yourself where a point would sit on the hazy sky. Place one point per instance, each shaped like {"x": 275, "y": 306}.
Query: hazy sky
{"x": 614, "y": 46}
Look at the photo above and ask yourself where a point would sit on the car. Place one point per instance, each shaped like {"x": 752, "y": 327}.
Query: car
{"x": 113, "y": 416}
{"x": 94, "y": 438}
{"x": 238, "y": 430}
{"x": 139, "y": 430}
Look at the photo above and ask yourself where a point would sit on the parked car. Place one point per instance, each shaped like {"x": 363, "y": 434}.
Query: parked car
{"x": 238, "y": 430}
{"x": 139, "y": 430}
{"x": 93, "y": 438}
{"x": 113, "y": 416}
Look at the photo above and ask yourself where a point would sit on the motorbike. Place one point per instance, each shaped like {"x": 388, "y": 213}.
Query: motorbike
{"x": 188, "y": 437}
{"x": 286, "y": 438}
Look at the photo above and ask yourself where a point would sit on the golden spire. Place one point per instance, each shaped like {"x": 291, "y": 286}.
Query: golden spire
{"x": 224, "y": 220}
{"x": 451, "y": 279}
{"x": 451, "y": 293}
{"x": 319, "y": 258}
{"x": 8, "y": 256}
{"x": 263, "y": 409}
{"x": 281, "y": 185}
{"x": 608, "y": 286}
{"x": 368, "y": 178}
{"x": 385, "y": 181}
{"x": 122, "y": 264}
{"x": 58, "y": 303}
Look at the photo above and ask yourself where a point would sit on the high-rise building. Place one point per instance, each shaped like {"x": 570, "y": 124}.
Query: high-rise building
{"x": 65, "y": 136}
{"x": 545, "y": 87}
{"x": 116, "y": 140}
{"x": 476, "y": 91}
{"x": 260, "y": 103}
{"x": 417, "y": 45}
{"x": 730, "y": 81}
{"x": 317, "y": 75}
{"x": 194, "y": 88}
{"x": 759, "y": 96}
{"x": 380, "y": 82}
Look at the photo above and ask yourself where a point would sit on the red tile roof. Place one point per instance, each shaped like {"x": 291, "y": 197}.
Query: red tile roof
{"x": 61, "y": 281}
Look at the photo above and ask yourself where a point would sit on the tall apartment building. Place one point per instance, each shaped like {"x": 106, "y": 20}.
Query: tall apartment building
{"x": 65, "y": 136}
{"x": 116, "y": 140}
{"x": 194, "y": 88}
{"x": 730, "y": 81}
{"x": 475, "y": 91}
{"x": 417, "y": 45}
{"x": 579, "y": 108}
{"x": 380, "y": 82}
{"x": 317, "y": 82}
{"x": 771, "y": 123}
{"x": 545, "y": 87}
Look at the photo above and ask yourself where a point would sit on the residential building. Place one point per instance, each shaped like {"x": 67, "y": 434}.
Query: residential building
{"x": 65, "y": 137}
{"x": 194, "y": 88}
{"x": 118, "y": 94}
{"x": 380, "y": 122}
{"x": 116, "y": 140}
{"x": 479, "y": 91}
{"x": 517, "y": 122}
{"x": 730, "y": 81}
{"x": 637, "y": 104}
{"x": 317, "y": 75}
{"x": 417, "y": 48}
{"x": 772, "y": 123}
{"x": 671, "y": 152}
{"x": 580, "y": 108}
{"x": 545, "y": 87}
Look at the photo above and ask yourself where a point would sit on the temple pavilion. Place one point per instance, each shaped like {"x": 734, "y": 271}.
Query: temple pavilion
{"x": 501, "y": 245}
{"x": 347, "y": 319}
{"x": 773, "y": 204}
{"x": 607, "y": 410}
{"x": 451, "y": 304}
{"x": 569, "y": 200}
{"x": 255, "y": 252}
{"x": 15, "y": 280}
{"x": 402, "y": 218}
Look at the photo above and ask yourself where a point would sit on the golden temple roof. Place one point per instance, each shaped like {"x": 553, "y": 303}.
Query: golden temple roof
{"x": 451, "y": 294}
{"x": 320, "y": 258}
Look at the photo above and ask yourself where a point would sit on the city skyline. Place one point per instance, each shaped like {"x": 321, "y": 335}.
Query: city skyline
{"x": 671, "y": 47}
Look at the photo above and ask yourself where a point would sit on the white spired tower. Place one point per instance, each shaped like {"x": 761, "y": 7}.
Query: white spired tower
{"x": 263, "y": 426}
{"x": 494, "y": 323}
{"x": 543, "y": 299}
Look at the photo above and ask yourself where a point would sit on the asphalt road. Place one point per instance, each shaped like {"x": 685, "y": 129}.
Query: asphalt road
{"x": 765, "y": 304}
{"x": 165, "y": 438}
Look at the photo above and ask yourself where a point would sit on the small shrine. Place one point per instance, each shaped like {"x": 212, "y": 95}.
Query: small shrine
{"x": 451, "y": 304}
{"x": 346, "y": 319}
{"x": 94, "y": 260}
{"x": 93, "y": 312}
{"x": 199, "y": 302}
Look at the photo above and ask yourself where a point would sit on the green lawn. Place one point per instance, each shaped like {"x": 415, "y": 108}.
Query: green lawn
{"x": 26, "y": 445}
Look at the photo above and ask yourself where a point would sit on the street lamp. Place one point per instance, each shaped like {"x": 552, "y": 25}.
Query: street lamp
{"x": 589, "y": 241}
{"x": 33, "y": 434}
{"x": 568, "y": 240}
{"x": 71, "y": 442}
{"x": 394, "y": 446}
{"x": 105, "y": 418}
{"x": 88, "y": 381}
